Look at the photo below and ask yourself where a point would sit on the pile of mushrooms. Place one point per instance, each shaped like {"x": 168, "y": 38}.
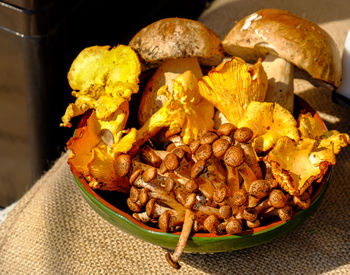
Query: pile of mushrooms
{"x": 214, "y": 182}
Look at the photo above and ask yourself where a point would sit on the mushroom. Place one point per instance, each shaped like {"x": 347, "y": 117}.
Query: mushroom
{"x": 285, "y": 213}
{"x": 303, "y": 201}
{"x": 149, "y": 156}
{"x": 178, "y": 45}
{"x": 173, "y": 259}
{"x": 234, "y": 226}
{"x": 285, "y": 39}
{"x": 224, "y": 212}
{"x": 251, "y": 159}
{"x": 276, "y": 200}
{"x": 156, "y": 191}
{"x": 122, "y": 165}
{"x": 142, "y": 217}
{"x": 226, "y": 129}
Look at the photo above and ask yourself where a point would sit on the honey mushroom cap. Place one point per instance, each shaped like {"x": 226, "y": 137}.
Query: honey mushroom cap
{"x": 295, "y": 39}
{"x": 178, "y": 38}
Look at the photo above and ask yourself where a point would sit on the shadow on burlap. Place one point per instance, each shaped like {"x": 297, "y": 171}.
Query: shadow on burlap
{"x": 52, "y": 230}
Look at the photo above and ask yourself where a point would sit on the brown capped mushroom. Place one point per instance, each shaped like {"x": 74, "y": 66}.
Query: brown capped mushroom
{"x": 234, "y": 156}
{"x": 282, "y": 34}
{"x": 226, "y": 129}
{"x": 149, "y": 156}
{"x": 149, "y": 174}
{"x": 178, "y": 45}
{"x": 220, "y": 146}
{"x": 243, "y": 134}
{"x": 277, "y": 198}
{"x": 234, "y": 226}
{"x": 253, "y": 224}
{"x": 259, "y": 188}
{"x": 142, "y": 217}
{"x": 224, "y": 212}
{"x": 303, "y": 201}
{"x": 122, "y": 165}
{"x": 284, "y": 214}
{"x": 174, "y": 38}
{"x": 171, "y": 162}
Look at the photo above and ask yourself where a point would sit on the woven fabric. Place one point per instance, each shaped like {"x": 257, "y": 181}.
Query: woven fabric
{"x": 52, "y": 230}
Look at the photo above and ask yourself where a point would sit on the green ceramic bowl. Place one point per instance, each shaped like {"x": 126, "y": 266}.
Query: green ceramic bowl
{"x": 112, "y": 207}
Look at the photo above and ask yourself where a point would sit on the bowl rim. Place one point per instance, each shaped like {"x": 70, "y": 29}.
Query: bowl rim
{"x": 303, "y": 107}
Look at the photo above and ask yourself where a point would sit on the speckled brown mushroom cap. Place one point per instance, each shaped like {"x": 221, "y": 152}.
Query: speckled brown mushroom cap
{"x": 178, "y": 38}
{"x": 289, "y": 36}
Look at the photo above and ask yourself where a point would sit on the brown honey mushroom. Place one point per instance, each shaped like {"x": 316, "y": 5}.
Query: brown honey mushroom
{"x": 194, "y": 145}
{"x": 122, "y": 165}
{"x": 250, "y": 214}
{"x": 208, "y": 138}
{"x": 243, "y": 135}
{"x": 148, "y": 156}
{"x": 197, "y": 168}
{"x": 224, "y": 212}
{"x": 191, "y": 186}
{"x": 170, "y": 219}
{"x": 253, "y": 224}
{"x": 276, "y": 199}
{"x": 149, "y": 174}
{"x": 211, "y": 223}
{"x": 220, "y": 146}
{"x": 226, "y": 129}
{"x": 261, "y": 188}
{"x": 234, "y": 226}
{"x": 143, "y": 196}
{"x": 155, "y": 191}
{"x": 285, "y": 213}
{"x": 177, "y": 140}
{"x": 303, "y": 201}
{"x": 171, "y": 162}
{"x": 203, "y": 152}
{"x": 219, "y": 194}
{"x": 134, "y": 194}
{"x": 240, "y": 197}
{"x": 234, "y": 156}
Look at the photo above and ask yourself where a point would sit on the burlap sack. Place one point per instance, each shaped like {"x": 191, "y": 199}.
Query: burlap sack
{"x": 52, "y": 230}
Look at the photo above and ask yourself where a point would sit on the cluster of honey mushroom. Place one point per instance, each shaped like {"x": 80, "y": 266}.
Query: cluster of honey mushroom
{"x": 215, "y": 184}
{"x": 217, "y": 177}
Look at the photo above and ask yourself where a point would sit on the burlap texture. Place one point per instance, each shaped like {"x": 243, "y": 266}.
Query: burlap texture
{"x": 52, "y": 230}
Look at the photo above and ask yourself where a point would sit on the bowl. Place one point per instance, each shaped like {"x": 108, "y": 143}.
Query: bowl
{"x": 112, "y": 207}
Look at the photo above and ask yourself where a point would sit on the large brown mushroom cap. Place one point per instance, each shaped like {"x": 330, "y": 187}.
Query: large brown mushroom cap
{"x": 291, "y": 37}
{"x": 178, "y": 38}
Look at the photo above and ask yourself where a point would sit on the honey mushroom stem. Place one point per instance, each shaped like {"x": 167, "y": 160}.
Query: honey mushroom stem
{"x": 156, "y": 192}
{"x": 173, "y": 259}
{"x": 247, "y": 174}
{"x": 232, "y": 180}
